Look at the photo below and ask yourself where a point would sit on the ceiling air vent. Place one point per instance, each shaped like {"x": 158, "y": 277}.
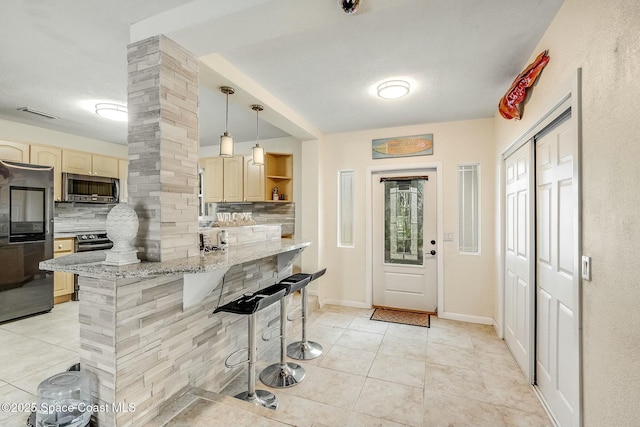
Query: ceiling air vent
{"x": 38, "y": 113}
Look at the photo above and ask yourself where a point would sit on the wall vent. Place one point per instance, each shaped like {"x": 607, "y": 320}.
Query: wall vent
{"x": 38, "y": 113}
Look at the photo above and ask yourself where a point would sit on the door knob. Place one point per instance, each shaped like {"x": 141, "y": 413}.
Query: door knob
{"x": 433, "y": 242}
{"x": 433, "y": 252}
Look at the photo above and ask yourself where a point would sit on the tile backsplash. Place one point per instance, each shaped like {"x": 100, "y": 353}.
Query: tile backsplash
{"x": 79, "y": 217}
{"x": 262, "y": 213}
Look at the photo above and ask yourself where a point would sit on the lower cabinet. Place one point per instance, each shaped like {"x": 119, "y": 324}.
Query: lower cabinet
{"x": 62, "y": 282}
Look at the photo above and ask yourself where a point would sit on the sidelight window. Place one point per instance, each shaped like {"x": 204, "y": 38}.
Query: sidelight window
{"x": 469, "y": 208}
{"x": 346, "y": 209}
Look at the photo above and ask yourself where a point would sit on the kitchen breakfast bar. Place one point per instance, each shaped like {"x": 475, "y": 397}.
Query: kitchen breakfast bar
{"x": 148, "y": 332}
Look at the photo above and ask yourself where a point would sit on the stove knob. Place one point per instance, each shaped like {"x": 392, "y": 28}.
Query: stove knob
{"x": 92, "y": 236}
{"x": 83, "y": 237}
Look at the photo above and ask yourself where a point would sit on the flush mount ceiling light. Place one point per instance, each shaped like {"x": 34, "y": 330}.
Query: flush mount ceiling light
{"x": 392, "y": 89}
{"x": 112, "y": 111}
{"x": 226, "y": 140}
{"x": 257, "y": 151}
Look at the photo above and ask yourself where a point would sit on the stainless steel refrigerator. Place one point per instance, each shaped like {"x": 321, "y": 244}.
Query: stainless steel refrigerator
{"x": 26, "y": 238}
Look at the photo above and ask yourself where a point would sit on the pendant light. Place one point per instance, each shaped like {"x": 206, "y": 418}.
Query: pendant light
{"x": 257, "y": 151}
{"x": 226, "y": 140}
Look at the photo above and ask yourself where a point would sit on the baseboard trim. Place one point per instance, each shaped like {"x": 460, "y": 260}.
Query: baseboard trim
{"x": 496, "y": 328}
{"x": 344, "y": 303}
{"x": 466, "y": 318}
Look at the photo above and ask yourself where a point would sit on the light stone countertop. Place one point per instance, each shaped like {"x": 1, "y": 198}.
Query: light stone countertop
{"x": 89, "y": 264}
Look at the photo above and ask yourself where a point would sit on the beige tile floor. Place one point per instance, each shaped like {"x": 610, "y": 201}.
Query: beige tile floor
{"x": 33, "y": 349}
{"x": 383, "y": 374}
{"x": 370, "y": 374}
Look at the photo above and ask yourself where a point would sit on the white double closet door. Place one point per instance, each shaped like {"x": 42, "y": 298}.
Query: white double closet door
{"x": 542, "y": 265}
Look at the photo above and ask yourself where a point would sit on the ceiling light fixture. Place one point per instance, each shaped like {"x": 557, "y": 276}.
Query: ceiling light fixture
{"x": 115, "y": 112}
{"x": 257, "y": 151}
{"x": 392, "y": 89}
{"x": 349, "y": 6}
{"x": 226, "y": 140}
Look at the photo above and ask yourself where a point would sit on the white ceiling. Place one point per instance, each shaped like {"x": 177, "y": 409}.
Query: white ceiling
{"x": 460, "y": 56}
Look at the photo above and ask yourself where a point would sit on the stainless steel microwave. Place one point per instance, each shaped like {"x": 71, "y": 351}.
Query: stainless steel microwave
{"x": 90, "y": 189}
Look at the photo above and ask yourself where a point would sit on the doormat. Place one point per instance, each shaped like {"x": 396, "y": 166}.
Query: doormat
{"x": 403, "y": 317}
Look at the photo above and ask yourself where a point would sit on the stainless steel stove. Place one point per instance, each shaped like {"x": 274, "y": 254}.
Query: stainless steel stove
{"x": 89, "y": 242}
{"x": 92, "y": 242}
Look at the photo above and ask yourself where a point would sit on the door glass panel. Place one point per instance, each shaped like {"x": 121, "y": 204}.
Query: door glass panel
{"x": 403, "y": 203}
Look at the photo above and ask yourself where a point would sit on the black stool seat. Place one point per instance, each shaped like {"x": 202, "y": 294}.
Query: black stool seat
{"x": 304, "y": 350}
{"x": 301, "y": 276}
{"x": 249, "y": 304}
{"x": 295, "y": 283}
{"x": 285, "y": 374}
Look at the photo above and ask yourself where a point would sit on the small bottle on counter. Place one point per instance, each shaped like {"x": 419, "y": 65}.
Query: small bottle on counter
{"x": 275, "y": 194}
{"x": 223, "y": 239}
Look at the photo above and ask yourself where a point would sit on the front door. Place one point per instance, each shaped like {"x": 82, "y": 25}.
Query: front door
{"x": 557, "y": 275}
{"x": 404, "y": 241}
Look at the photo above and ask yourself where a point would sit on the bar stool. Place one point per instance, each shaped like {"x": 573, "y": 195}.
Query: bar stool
{"x": 283, "y": 374}
{"x": 249, "y": 305}
{"x": 304, "y": 350}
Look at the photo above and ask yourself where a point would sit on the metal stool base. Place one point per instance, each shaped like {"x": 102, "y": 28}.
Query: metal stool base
{"x": 304, "y": 351}
{"x": 281, "y": 376}
{"x": 261, "y": 398}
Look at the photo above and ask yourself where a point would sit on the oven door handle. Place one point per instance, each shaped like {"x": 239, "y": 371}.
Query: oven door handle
{"x": 96, "y": 247}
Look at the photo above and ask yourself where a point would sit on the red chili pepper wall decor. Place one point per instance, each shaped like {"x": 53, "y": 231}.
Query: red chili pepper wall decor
{"x": 508, "y": 106}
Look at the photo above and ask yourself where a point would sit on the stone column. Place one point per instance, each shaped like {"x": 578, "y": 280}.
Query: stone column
{"x": 163, "y": 148}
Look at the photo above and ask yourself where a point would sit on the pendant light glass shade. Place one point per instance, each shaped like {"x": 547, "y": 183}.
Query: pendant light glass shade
{"x": 258, "y": 155}
{"x": 226, "y": 140}
{"x": 226, "y": 145}
{"x": 257, "y": 151}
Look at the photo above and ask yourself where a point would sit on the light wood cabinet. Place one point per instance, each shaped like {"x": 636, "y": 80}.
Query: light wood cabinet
{"x": 76, "y": 162}
{"x": 14, "y": 151}
{"x": 63, "y": 283}
{"x": 105, "y": 166}
{"x": 89, "y": 164}
{"x": 253, "y": 181}
{"x": 278, "y": 172}
{"x": 233, "y": 187}
{"x": 223, "y": 179}
{"x": 213, "y": 173}
{"x": 123, "y": 172}
{"x": 50, "y": 156}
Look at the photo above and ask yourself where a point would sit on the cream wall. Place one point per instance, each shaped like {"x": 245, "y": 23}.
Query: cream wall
{"x": 602, "y": 38}
{"x": 469, "y": 281}
{"x": 19, "y": 132}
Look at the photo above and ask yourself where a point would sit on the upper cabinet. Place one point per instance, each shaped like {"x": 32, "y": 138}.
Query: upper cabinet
{"x": 105, "y": 166}
{"x": 213, "y": 174}
{"x": 223, "y": 179}
{"x": 253, "y": 181}
{"x": 77, "y": 162}
{"x": 89, "y": 164}
{"x": 49, "y": 156}
{"x": 14, "y": 151}
{"x": 233, "y": 178}
{"x": 278, "y": 172}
